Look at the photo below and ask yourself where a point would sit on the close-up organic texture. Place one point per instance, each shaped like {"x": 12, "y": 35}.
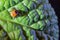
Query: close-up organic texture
{"x": 28, "y": 20}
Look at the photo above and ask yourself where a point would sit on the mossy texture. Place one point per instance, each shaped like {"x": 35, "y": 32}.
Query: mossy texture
{"x": 36, "y": 20}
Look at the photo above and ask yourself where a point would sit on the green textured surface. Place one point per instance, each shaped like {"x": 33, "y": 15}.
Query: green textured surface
{"x": 38, "y": 17}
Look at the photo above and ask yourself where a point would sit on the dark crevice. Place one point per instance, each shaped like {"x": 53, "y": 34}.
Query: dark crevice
{"x": 38, "y": 35}
{"x": 1, "y": 28}
{"x": 25, "y": 34}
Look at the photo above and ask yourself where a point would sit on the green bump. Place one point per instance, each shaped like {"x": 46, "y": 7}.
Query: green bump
{"x": 20, "y": 6}
{"x": 39, "y": 11}
{"x": 11, "y": 35}
{"x": 16, "y": 1}
{"x": 12, "y": 3}
{"x": 26, "y": 2}
{"x": 35, "y": 26}
{"x": 20, "y": 38}
{"x": 7, "y": 5}
{"x": 25, "y": 21}
{"x": 42, "y": 24}
{"x": 2, "y": 5}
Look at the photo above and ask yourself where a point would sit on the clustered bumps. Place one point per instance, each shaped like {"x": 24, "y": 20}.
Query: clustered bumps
{"x": 28, "y": 20}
